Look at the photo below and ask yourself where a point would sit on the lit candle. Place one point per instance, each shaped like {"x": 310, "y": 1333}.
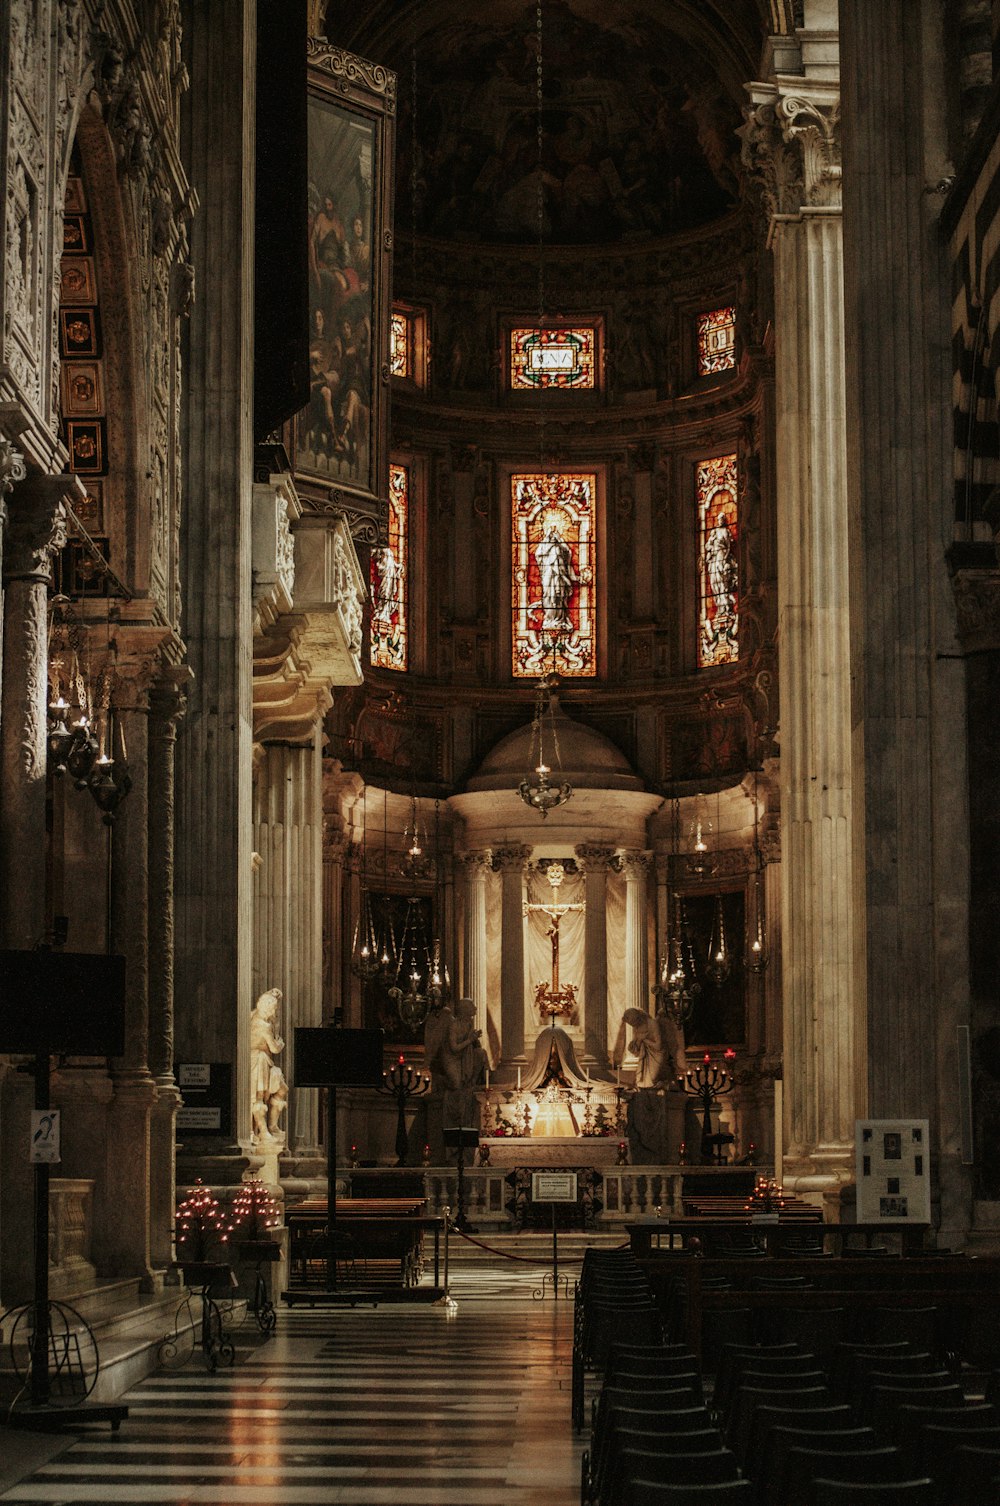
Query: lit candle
{"x": 586, "y": 1074}
{"x": 519, "y": 1079}
{"x": 487, "y": 1077}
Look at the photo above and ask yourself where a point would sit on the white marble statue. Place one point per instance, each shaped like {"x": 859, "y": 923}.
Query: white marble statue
{"x": 267, "y": 1081}
{"x": 659, "y": 1044}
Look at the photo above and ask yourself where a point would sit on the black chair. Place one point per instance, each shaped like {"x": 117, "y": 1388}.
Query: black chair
{"x": 818, "y": 1332}
{"x": 720, "y": 1493}
{"x": 686, "y": 1431}
{"x": 850, "y": 1493}
{"x": 819, "y": 1418}
{"x": 917, "y": 1326}
{"x": 863, "y": 1466}
{"x": 886, "y": 1402}
{"x": 913, "y": 1418}
{"x": 974, "y": 1478}
{"x": 758, "y": 1370}
{"x": 665, "y": 1468}
{"x": 769, "y": 1463}
{"x": 748, "y": 1399}
{"x": 847, "y": 1355}
{"x": 734, "y": 1356}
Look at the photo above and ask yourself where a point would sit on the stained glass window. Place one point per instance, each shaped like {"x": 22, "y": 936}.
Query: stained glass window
{"x": 554, "y": 572}
{"x": 718, "y": 562}
{"x": 716, "y": 341}
{"x": 388, "y": 579}
{"x": 401, "y": 346}
{"x": 562, "y": 358}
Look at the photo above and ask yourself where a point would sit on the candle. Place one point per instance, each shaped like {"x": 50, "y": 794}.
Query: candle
{"x": 487, "y": 1077}
{"x": 586, "y": 1074}
{"x": 618, "y": 1075}
{"x": 519, "y": 1079}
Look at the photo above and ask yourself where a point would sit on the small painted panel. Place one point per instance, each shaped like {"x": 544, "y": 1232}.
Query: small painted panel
{"x": 552, "y": 358}
{"x": 716, "y": 341}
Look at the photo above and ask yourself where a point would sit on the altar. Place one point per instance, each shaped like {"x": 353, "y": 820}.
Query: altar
{"x": 509, "y": 1151}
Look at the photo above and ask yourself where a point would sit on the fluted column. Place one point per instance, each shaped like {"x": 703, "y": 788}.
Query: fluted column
{"x": 634, "y": 866}
{"x": 477, "y": 867}
{"x": 510, "y": 861}
{"x": 791, "y": 142}
{"x": 166, "y": 707}
{"x": 214, "y": 755}
{"x": 36, "y": 531}
{"x": 126, "y": 1205}
{"x": 288, "y": 920}
{"x": 596, "y": 861}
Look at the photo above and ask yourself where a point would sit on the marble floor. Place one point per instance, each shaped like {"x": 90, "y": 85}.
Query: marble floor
{"x": 460, "y": 1404}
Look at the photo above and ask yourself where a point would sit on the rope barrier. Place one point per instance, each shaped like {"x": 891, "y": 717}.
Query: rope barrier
{"x": 524, "y": 1259}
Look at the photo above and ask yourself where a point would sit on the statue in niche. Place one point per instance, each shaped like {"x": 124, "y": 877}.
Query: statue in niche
{"x": 267, "y": 1081}
{"x": 658, "y": 1042}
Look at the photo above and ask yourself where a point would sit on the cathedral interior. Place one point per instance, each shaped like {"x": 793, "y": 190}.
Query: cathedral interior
{"x": 500, "y": 532}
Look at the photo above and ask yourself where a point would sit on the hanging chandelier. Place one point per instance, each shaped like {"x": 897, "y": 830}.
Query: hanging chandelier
{"x": 699, "y": 863}
{"x": 538, "y": 790}
{"x": 756, "y": 953}
{"x": 411, "y": 992}
{"x": 364, "y": 960}
{"x": 719, "y": 962}
{"x": 86, "y": 733}
{"x": 677, "y": 985}
{"x": 418, "y": 862}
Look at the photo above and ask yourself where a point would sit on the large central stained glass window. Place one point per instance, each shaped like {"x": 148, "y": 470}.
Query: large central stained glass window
{"x": 389, "y": 579}
{"x": 718, "y": 562}
{"x": 554, "y": 573}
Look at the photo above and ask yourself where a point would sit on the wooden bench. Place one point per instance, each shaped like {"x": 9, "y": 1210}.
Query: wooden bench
{"x": 377, "y": 1241}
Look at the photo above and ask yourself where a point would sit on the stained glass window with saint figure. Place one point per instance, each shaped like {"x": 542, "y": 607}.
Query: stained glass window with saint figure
{"x": 554, "y": 573}
{"x": 718, "y": 562}
{"x": 716, "y": 341}
{"x": 560, "y": 358}
{"x": 389, "y": 579}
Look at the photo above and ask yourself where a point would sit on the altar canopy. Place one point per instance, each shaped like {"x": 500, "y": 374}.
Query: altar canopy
{"x": 554, "y": 1060}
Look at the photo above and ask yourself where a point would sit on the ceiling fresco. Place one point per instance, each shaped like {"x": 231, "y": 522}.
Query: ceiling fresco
{"x": 638, "y": 133}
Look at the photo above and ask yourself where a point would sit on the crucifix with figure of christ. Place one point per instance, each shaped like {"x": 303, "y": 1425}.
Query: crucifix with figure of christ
{"x": 554, "y": 997}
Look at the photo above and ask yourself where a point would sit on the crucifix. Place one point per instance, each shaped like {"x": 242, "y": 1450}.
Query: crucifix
{"x": 553, "y": 997}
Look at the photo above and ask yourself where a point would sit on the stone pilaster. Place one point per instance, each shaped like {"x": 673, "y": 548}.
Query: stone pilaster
{"x": 596, "y": 861}
{"x": 166, "y": 707}
{"x": 12, "y": 470}
{"x": 791, "y": 143}
{"x": 909, "y": 745}
{"x": 36, "y": 531}
{"x": 214, "y": 754}
{"x": 510, "y": 861}
{"x": 634, "y": 866}
{"x": 477, "y": 867}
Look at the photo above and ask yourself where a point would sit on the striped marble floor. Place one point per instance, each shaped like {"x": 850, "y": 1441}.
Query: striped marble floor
{"x": 458, "y": 1405}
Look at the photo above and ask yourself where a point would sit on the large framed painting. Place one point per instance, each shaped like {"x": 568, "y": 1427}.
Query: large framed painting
{"x": 339, "y": 441}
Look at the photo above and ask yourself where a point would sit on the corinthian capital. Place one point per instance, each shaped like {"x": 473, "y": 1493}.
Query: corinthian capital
{"x": 791, "y": 146}
{"x": 512, "y": 857}
{"x": 12, "y": 470}
{"x": 37, "y": 524}
{"x": 593, "y": 857}
{"x": 633, "y": 863}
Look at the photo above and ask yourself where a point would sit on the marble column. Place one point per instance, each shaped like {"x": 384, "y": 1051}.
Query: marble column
{"x": 166, "y": 707}
{"x": 909, "y": 720}
{"x": 36, "y": 531}
{"x": 477, "y": 867}
{"x": 288, "y": 930}
{"x": 596, "y": 861}
{"x": 791, "y": 142}
{"x": 510, "y": 861}
{"x": 634, "y": 866}
{"x": 125, "y": 1201}
{"x": 214, "y": 754}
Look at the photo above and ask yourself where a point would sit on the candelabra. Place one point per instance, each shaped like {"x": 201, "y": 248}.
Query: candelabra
{"x": 707, "y": 1082}
{"x": 403, "y": 1082}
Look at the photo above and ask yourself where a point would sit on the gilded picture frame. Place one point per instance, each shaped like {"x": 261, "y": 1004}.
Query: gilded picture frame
{"x": 339, "y": 443}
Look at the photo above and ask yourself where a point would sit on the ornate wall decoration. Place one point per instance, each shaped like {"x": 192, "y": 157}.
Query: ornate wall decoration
{"x": 389, "y": 579}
